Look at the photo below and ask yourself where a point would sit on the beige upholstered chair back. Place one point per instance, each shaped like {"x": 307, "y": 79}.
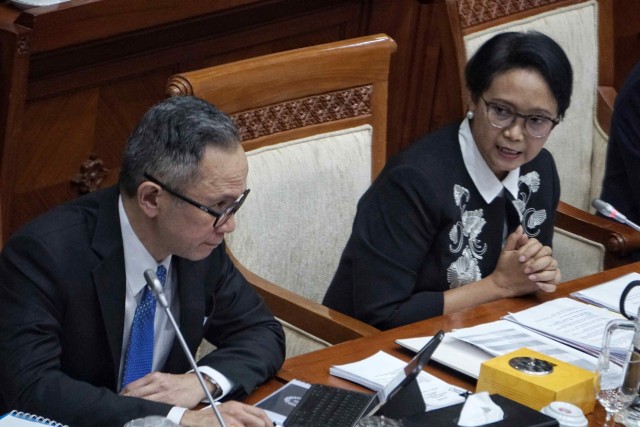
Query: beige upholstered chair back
{"x": 578, "y": 144}
{"x": 304, "y": 193}
{"x": 573, "y": 142}
{"x": 313, "y": 125}
{"x": 293, "y": 228}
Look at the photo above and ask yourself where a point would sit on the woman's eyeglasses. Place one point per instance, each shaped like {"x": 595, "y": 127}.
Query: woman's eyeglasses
{"x": 502, "y": 116}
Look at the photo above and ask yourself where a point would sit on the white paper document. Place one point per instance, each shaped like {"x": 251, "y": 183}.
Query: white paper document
{"x": 453, "y": 353}
{"x": 573, "y": 323}
{"x": 608, "y": 294}
{"x": 502, "y": 337}
{"x": 467, "y": 348}
{"x": 376, "y": 371}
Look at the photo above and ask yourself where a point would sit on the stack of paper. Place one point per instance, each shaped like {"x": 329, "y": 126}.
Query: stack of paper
{"x": 608, "y": 294}
{"x": 464, "y": 350}
{"x": 573, "y": 323}
{"x": 502, "y": 337}
{"x": 377, "y": 371}
{"x": 563, "y": 328}
{"x": 453, "y": 353}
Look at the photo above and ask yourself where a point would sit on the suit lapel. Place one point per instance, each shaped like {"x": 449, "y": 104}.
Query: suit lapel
{"x": 109, "y": 276}
{"x": 192, "y": 308}
{"x": 110, "y": 282}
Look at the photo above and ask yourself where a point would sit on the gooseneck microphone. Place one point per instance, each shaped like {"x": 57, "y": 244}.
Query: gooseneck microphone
{"x": 609, "y": 211}
{"x": 156, "y": 287}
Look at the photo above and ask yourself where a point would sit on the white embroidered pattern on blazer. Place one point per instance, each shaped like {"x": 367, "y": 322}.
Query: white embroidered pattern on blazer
{"x": 465, "y": 233}
{"x": 466, "y": 269}
{"x": 529, "y": 217}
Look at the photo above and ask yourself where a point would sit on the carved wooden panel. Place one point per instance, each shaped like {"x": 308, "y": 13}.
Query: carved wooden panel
{"x": 303, "y": 112}
{"x": 92, "y": 173}
{"x": 474, "y": 12}
{"x": 86, "y": 96}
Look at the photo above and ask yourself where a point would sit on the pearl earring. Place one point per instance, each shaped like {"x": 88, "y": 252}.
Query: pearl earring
{"x": 470, "y": 115}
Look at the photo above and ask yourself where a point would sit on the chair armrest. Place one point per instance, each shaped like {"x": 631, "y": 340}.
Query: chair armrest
{"x": 618, "y": 239}
{"x": 316, "y": 319}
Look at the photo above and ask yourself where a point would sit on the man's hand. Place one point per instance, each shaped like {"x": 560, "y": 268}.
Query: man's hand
{"x": 177, "y": 390}
{"x": 235, "y": 414}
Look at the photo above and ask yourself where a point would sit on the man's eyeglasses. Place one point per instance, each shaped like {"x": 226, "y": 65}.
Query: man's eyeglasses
{"x": 536, "y": 125}
{"x": 220, "y": 217}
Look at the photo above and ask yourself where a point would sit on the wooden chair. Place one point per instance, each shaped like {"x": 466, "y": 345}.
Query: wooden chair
{"x": 313, "y": 123}
{"x": 583, "y": 243}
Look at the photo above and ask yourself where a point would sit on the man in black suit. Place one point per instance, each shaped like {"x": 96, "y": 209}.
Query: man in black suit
{"x": 72, "y": 280}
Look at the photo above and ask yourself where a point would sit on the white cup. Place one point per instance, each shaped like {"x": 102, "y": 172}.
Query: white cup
{"x": 567, "y": 414}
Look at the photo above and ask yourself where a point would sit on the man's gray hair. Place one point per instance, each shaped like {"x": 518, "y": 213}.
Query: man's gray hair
{"x": 170, "y": 140}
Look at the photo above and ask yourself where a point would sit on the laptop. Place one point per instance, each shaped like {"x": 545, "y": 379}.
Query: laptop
{"x": 329, "y": 406}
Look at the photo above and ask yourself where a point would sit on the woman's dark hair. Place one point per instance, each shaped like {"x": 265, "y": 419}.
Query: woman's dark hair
{"x": 528, "y": 50}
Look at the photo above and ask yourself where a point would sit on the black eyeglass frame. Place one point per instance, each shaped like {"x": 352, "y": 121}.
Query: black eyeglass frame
{"x": 220, "y": 217}
{"x": 526, "y": 117}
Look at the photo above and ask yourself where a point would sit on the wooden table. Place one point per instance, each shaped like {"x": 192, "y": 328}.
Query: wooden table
{"x": 314, "y": 367}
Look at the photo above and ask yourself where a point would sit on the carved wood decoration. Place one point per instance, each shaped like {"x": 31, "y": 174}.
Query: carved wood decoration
{"x": 23, "y": 45}
{"x": 303, "y": 112}
{"x": 105, "y": 62}
{"x": 474, "y": 12}
{"x": 178, "y": 86}
{"x": 92, "y": 173}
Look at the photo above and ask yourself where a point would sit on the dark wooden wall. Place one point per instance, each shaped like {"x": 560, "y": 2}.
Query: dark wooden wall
{"x": 77, "y": 77}
{"x": 626, "y": 38}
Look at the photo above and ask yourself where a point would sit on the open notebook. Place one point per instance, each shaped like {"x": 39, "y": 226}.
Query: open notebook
{"x": 24, "y": 419}
{"x": 335, "y": 407}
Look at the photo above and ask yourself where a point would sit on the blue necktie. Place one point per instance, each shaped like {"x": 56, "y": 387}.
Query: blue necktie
{"x": 139, "y": 357}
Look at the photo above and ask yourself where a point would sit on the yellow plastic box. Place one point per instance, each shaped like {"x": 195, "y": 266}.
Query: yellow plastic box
{"x": 565, "y": 382}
